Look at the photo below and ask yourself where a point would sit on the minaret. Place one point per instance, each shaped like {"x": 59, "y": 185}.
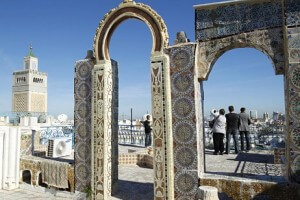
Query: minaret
{"x": 29, "y": 91}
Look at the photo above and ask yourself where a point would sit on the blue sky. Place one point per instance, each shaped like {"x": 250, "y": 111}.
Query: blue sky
{"x": 62, "y": 31}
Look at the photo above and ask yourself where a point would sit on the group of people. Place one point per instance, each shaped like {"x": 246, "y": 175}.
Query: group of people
{"x": 230, "y": 124}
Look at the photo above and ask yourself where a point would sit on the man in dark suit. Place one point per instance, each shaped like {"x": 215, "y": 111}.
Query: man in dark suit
{"x": 244, "y": 129}
{"x": 232, "y": 120}
{"x": 147, "y": 131}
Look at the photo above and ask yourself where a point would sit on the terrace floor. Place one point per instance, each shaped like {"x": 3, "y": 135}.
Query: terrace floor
{"x": 136, "y": 183}
{"x": 258, "y": 165}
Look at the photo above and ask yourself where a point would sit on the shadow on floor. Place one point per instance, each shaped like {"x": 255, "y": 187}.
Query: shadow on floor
{"x": 132, "y": 145}
{"x": 128, "y": 190}
{"x": 252, "y": 165}
{"x": 278, "y": 179}
{"x": 255, "y": 158}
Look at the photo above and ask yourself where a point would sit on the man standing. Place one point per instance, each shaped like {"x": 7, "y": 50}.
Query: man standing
{"x": 244, "y": 129}
{"x": 147, "y": 131}
{"x": 219, "y": 132}
{"x": 232, "y": 120}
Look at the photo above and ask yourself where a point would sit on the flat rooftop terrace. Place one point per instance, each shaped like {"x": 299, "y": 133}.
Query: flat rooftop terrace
{"x": 136, "y": 182}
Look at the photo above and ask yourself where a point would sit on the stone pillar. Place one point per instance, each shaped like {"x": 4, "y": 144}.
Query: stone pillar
{"x": 102, "y": 87}
{"x": 162, "y": 137}
{"x": 82, "y": 122}
{"x": 11, "y": 158}
{"x": 114, "y": 125}
{"x": 200, "y": 115}
{"x": 186, "y": 110}
{"x": 292, "y": 88}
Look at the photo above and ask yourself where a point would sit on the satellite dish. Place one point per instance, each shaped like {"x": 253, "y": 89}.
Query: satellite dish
{"x": 62, "y": 118}
{"x": 42, "y": 119}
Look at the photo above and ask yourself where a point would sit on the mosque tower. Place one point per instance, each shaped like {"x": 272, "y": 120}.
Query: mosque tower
{"x": 29, "y": 90}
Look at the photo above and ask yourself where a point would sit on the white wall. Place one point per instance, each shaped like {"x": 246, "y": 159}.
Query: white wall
{"x": 10, "y": 138}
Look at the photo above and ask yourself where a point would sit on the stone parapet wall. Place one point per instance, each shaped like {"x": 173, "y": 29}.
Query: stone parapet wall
{"x": 245, "y": 189}
{"x": 33, "y": 164}
{"x": 143, "y": 160}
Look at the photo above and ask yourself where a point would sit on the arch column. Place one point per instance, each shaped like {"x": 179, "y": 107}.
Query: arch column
{"x": 162, "y": 127}
{"x": 187, "y": 122}
{"x": 102, "y": 89}
{"x": 292, "y": 89}
{"x": 104, "y": 98}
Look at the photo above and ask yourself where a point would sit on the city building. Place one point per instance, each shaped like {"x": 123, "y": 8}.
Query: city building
{"x": 253, "y": 114}
{"x": 29, "y": 90}
{"x": 275, "y": 115}
{"x": 266, "y": 117}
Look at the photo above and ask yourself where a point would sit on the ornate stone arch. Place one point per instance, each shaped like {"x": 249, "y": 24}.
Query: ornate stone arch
{"x": 271, "y": 26}
{"x": 126, "y": 10}
{"x": 104, "y": 104}
{"x": 269, "y": 44}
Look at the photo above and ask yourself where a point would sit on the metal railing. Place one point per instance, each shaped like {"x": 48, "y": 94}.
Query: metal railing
{"x": 260, "y": 139}
{"x": 131, "y": 134}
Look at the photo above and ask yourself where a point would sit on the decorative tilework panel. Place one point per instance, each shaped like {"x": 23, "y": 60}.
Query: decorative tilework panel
{"x": 295, "y": 107}
{"x": 294, "y": 55}
{"x": 114, "y": 124}
{"x": 186, "y": 183}
{"x": 294, "y": 75}
{"x": 158, "y": 129}
{"x": 294, "y": 41}
{"x": 98, "y": 121}
{"x": 293, "y": 89}
{"x": 295, "y": 165}
{"x": 295, "y": 136}
{"x": 182, "y": 62}
{"x": 292, "y": 12}
{"x": 232, "y": 19}
{"x": 82, "y": 118}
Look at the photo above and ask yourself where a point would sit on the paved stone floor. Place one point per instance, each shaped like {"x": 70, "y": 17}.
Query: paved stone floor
{"x": 136, "y": 183}
{"x": 25, "y": 194}
{"x": 123, "y": 149}
{"x": 257, "y": 165}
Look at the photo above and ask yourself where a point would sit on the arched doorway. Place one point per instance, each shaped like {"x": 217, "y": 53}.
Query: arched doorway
{"x": 26, "y": 176}
{"x": 132, "y": 50}
{"x": 244, "y": 77}
{"x": 101, "y": 102}
{"x": 221, "y": 26}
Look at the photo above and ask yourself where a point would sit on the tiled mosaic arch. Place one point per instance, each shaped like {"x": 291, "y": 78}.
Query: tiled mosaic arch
{"x": 104, "y": 104}
{"x": 271, "y": 26}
